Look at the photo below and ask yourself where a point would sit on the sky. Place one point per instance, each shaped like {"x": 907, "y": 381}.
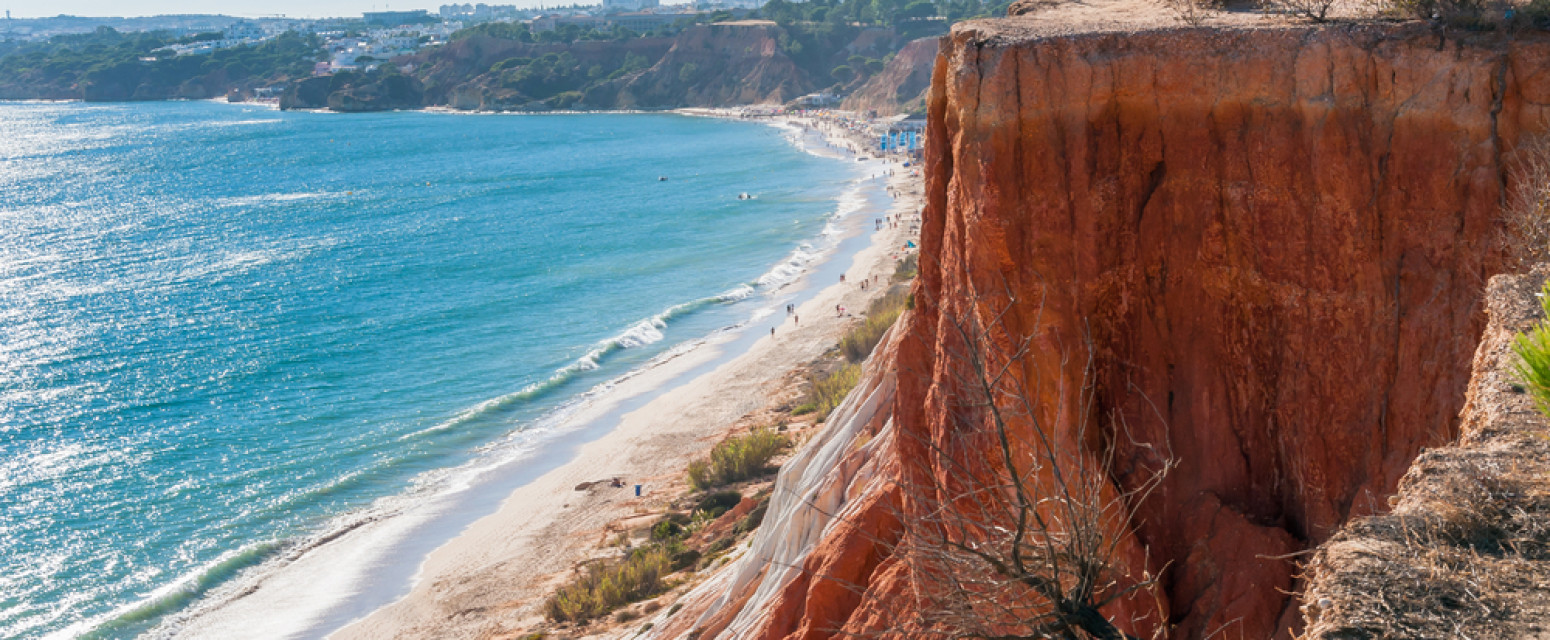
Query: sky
{"x": 243, "y": 8}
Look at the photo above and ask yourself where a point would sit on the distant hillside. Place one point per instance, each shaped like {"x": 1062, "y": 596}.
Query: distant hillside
{"x": 718, "y": 64}
{"x": 902, "y": 84}
{"x": 107, "y": 65}
{"x": 774, "y": 55}
{"x": 714, "y": 65}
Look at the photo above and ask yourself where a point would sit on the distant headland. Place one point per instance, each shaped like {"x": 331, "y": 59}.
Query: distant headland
{"x": 622, "y": 54}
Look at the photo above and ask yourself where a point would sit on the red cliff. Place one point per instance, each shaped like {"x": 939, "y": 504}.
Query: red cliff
{"x": 1260, "y": 250}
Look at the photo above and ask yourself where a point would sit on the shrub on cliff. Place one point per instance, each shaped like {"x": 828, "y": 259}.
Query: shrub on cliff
{"x": 1533, "y": 349}
{"x": 1017, "y": 520}
{"x": 1315, "y": 10}
{"x": 601, "y": 588}
{"x": 736, "y": 459}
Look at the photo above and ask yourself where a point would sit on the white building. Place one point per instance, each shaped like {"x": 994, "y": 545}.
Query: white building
{"x": 615, "y": 6}
{"x": 245, "y": 30}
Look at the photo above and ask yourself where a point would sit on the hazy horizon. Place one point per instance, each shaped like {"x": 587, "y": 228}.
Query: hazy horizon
{"x": 238, "y": 8}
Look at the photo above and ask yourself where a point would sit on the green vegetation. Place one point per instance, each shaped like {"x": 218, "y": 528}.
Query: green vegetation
{"x": 605, "y": 587}
{"x": 858, "y": 343}
{"x": 827, "y": 391}
{"x": 108, "y": 65}
{"x": 831, "y": 41}
{"x": 736, "y": 459}
{"x": 1533, "y": 348}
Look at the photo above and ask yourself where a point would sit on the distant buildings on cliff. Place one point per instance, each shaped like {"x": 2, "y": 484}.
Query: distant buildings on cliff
{"x": 377, "y": 36}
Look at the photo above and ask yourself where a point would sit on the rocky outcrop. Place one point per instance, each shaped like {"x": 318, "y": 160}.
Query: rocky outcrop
{"x": 386, "y": 92}
{"x": 1465, "y": 553}
{"x": 901, "y": 86}
{"x": 311, "y": 93}
{"x": 1261, "y": 251}
{"x": 355, "y": 93}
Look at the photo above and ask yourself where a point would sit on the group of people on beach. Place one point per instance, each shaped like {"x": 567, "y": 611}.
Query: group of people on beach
{"x": 891, "y": 221}
{"x": 791, "y": 312}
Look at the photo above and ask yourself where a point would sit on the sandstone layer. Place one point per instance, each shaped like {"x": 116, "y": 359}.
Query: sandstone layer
{"x": 1261, "y": 251}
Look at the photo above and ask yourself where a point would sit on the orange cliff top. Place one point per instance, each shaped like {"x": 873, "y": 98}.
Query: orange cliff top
{"x": 1045, "y": 18}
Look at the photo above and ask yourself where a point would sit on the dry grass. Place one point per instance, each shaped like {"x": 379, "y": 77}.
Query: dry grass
{"x": 1191, "y": 12}
{"x": 1459, "y": 562}
{"x": 1526, "y": 218}
{"x": 1315, "y": 10}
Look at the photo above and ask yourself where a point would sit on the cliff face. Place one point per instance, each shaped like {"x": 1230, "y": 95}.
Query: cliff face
{"x": 1466, "y": 551}
{"x": 901, "y": 86}
{"x": 1274, "y": 242}
{"x": 1261, "y": 251}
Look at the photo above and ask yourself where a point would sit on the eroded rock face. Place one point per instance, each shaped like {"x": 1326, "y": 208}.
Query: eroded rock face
{"x": 1275, "y": 241}
{"x": 1271, "y": 245}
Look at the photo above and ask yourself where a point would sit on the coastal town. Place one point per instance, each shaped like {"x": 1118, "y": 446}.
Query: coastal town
{"x": 376, "y": 37}
{"x": 619, "y": 54}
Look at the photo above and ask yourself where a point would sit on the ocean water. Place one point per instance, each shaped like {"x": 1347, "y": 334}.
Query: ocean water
{"x": 224, "y": 327}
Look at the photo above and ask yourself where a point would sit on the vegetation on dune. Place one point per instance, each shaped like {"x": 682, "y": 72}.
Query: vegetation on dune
{"x": 859, "y": 342}
{"x": 736, "y": 459}
{"x": 827, "y": 391}
{"x": 604, "y": 587}
{"x": 907, "y": 269}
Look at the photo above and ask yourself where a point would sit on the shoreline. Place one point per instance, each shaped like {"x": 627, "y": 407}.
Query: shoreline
{"x": 374, "y": 594}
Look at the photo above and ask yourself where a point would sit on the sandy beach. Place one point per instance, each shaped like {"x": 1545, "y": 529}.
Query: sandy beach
{"x": 491, "y": 578}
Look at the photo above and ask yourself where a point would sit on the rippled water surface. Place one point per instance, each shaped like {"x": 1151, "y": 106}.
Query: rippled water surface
{"x": 223, "y": 326}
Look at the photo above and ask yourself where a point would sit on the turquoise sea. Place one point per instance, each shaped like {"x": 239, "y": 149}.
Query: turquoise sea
{"x": 224, "y": 327}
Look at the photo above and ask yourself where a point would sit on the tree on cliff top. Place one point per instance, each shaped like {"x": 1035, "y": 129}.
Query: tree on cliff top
{"x": 1015, "y": 529}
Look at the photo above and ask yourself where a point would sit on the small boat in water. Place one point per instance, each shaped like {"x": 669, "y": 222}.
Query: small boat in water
{"x": 661, "y": 178}
{"x": 744, "y": 196}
